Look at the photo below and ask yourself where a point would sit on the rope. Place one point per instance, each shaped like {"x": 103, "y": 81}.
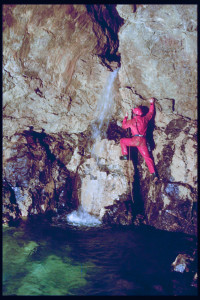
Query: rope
{"x": 129, "y": 169}
{"x": 129, "y": 161}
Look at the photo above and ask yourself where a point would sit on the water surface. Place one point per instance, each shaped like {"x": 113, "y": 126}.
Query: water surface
{"x": 40, "y": 258}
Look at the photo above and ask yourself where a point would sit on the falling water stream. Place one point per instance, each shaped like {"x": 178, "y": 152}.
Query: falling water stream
{"x": 102, "y": 116}
{"x": 104, "y": 109}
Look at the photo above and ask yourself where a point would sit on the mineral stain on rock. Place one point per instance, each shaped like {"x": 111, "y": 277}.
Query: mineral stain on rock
{"x": 174, "y": 127}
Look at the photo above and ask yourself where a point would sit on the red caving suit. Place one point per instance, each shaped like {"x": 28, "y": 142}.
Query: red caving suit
{"x": 137, "y": 141}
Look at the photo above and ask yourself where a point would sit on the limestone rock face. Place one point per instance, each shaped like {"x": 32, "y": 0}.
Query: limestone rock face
{"x": 104, "y": 178}
{"x": 158, "y": 47}
{"x": 51, "y": 64}
{"x": 70, "y": 73}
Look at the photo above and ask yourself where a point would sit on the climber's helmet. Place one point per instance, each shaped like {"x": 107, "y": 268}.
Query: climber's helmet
{"x": 137, "y": 111}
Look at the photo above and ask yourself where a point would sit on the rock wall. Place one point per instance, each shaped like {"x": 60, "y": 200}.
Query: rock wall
{"x": 159, "y": 58}
{"x": 57, "y": 61}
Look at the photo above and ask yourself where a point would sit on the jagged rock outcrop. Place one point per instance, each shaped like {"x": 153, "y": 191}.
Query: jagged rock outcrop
{"x": 57, "y": 61}
{"x": 172, "y": 203}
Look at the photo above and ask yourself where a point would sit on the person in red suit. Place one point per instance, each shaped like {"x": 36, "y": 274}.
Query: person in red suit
{"x": 138, "y": 125}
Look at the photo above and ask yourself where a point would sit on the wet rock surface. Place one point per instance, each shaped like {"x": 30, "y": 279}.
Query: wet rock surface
{"x": 38, "y": 179}
{"x": 182, "y": 263}
{"x": 186, "y": 263}
{"x": 171, "y": 204}
{"x": 57, "y": 61}
{"x": 120, "y": 213}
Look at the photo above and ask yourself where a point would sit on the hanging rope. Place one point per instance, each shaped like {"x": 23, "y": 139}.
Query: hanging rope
{"x": 129, "y": 160}
{"x": 129, "y": 170}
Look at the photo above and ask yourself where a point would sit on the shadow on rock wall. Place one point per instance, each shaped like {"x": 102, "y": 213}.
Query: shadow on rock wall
{"x": 35, "y": 180}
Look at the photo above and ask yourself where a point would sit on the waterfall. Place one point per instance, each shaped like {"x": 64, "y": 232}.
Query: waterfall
{"x": 103, "y": 113}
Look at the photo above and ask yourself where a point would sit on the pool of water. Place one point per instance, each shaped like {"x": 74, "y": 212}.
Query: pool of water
{"x": 41, "y": 258}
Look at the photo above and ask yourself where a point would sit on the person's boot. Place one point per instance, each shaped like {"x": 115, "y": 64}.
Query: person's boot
{"x": 124, "y": 157}
{"x": 154, "y": 177}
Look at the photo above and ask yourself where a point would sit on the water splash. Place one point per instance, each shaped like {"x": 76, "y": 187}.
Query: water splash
{"x": 82, "y": 218}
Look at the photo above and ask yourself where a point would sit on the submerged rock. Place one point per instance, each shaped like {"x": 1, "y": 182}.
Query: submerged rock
{"x": 31, "y": 248}
{"x": 195, "y": 281}
{"x": 187, "y": 263}
{"x": 182, "y": 263}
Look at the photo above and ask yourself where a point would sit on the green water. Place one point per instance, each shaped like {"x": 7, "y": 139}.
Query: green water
{"x": 41, "y": 259}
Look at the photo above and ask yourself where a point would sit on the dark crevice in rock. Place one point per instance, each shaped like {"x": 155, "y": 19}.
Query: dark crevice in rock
{"x": 115, "y": 132}
{"x": 33, "y": 137}
{"x": 120, "y": 213}
{"x": 163, "y": 166}
{"x": 10, "y": 208}
{"x": 134, "y": 91}
{"x": 8, "y": 188}
{"x": 38, "y": 92}
{"x": 110, "y": 22}
{"x": 138, "y": 207}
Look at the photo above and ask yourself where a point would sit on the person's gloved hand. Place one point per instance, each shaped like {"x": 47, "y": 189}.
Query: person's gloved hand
{"x": 152, "y": 100}
{"x": 126, "y": 116}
